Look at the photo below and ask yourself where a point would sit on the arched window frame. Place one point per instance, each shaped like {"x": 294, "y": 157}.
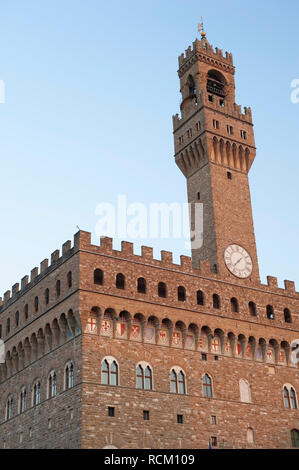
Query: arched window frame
{"x": 290, "y": 397}
{"x": 36, "y": 391}
{"x": 181, "y": 294}
{"x": 110, "y": 371}
{"x": 120, "y": 281}
{"x": 98, "y": 277}
{"x": 52, "y": 384}
{"x": 200, "y": 298}
{"x": 207, "y": 386}
{"x": 9, "y": 407}
{"x": 144, "y": 376}
{"x": 36, "y": 304}
{"x": 58, "y": 288}
{"x": 216, "y": 301}
{"x": 270, "y": 312}
{"x": 141, "y": 285}
{"x": 295, "y": 438}
{"x": 177, "y": 380}
{"x": 234, "y": 305}
{"x": 287, "y": 315}
{"x": 23, "y": 400}
{"x": 162, "y": 290}
{"x": 69, "y": 375}
{"x": 248, "y": 391}
{"x": 69, "y": 279}
{"x": 252, "y": 309}
{"x": 47, "y": 296}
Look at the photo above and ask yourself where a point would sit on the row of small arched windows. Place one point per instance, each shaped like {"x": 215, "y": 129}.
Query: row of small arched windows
{"x": 36, "y": 303}
{"x": 120, "y": 283}
{"x": 36, "y": 391}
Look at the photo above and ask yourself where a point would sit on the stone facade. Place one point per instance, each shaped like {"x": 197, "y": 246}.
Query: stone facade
{"x": 79, "y": 320}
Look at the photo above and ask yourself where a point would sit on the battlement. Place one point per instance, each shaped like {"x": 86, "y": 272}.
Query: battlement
{"x": 205, "y": 49}
{"x": 229, "y": 109}
{"x": 82, "y": 242}
{"x": 36, "y": 275}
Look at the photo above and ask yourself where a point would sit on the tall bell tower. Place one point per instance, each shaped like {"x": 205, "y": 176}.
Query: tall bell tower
{"x": 215, "y": 148}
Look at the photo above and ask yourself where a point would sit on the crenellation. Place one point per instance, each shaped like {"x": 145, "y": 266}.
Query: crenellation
{"x": 66, "y": 247}
{"x": 147, "y": 253}
{"x": 106, "y": 244}
{"x": 166, "y": 257}
{"x": 15, "y": 289}
{"x": 127, "y": 248}
{"x": 55, "y": 256}
{"x": 290, "y": 286}
{"x": 44, "y": 265}
{"x": 6, "y": 296}
{"x": 186, "y": 262}
{"x": 24, "y": 282}
{"x": 82, "y": 240}
{"x": 272, "y": 282}
{"x": 33, "y": 273}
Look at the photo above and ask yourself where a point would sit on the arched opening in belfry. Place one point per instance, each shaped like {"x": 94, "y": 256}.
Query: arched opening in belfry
{"x": 191, "y": 87}
{"x": 216, "y": 83}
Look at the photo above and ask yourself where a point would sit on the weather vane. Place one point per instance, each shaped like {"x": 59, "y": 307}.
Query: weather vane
{"x": 201, "y": 28}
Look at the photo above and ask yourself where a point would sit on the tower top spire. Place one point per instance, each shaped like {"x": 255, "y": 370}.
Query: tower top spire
{"x": 201, "y": 29}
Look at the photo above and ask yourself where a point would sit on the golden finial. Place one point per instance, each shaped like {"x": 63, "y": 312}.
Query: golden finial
{"x": 201, "y": 29}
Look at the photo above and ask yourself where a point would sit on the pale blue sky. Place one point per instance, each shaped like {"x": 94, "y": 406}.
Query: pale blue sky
{"x": 91, "y": 87}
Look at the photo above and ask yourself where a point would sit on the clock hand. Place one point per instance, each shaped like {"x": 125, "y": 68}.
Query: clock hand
{"x": 237, "y": 262}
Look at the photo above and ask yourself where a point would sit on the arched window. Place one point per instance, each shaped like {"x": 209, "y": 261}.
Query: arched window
{"x": 234, "y": 305}
{"x": 287, "y": 315}
{"x": 17, "y": 318}
{"x": 9, "y": 407}
{"x": 36, "y": 393}
{"x": 26, "y": 312}
{"x": 207, "y": 386}
{"x": 69, "y": 279}
{"x": 109, "y": 372}
{"x": 141, "y": 285}
{"x": 162, "y": 290}
{"x": 215, "y": 83}
{"x": 69, "y": 375}
{"x": 295, "y": 437}
{"x": 250, "y": 436}
{"x": 286, "y": 398}
{"x": 252, "y": 309}
{"x": 52, "y": 384}
{"x": 191, "y": 86}
{"x": 270, "y": 312}
{"x": 245, "y": 393}
{"x": 181, "y": 294}
{"x": 177, "y": 382}
{"x": 36, "y": 304}
{"x": 47, "y": 296}
{"x": 58, "y": 288}
{"x": 98, "y": 277}
{"x": 7, "y": 325}
{"x": 293, "y": 399}
{"x": 23, "y": 399}
{"x": 144, "y": 377}
{"x": 200, "y": 297}
{"x": 216, "y": 301}
{"x": 120, "y": 281}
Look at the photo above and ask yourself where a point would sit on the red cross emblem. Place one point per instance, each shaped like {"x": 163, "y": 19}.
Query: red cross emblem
{"x": 92, "y": 324}
{"x": 215, "y": 344}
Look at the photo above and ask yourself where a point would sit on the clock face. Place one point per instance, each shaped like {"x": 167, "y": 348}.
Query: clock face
{"x": 238, "y": 261}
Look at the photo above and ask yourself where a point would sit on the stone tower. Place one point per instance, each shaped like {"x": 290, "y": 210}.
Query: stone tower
{"x": 214, "y": 149}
